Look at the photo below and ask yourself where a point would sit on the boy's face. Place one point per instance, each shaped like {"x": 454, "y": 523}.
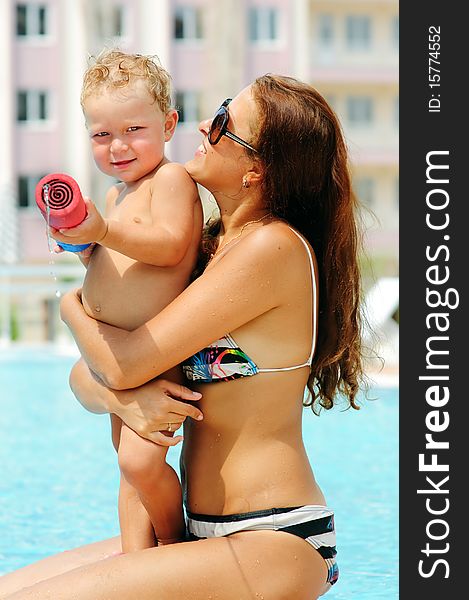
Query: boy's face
{"x": 128, "y": 132}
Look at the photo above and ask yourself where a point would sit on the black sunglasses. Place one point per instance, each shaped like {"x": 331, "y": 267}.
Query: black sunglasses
{"x": 219, "y": 127}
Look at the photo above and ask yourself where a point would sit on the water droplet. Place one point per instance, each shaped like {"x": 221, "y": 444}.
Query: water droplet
{"x": 50, "y": 241}
{"x": 46, "y": 202}
{"x": 97, "y": 308}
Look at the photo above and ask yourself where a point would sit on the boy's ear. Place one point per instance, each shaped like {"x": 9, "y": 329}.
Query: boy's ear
{"x": 170, "y": 123}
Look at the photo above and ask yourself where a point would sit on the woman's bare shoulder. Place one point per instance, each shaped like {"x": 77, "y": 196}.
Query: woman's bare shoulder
{"x": 276, "y": 240}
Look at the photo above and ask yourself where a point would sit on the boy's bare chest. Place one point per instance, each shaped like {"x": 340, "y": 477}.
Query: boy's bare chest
{"x": 132, "y": 206}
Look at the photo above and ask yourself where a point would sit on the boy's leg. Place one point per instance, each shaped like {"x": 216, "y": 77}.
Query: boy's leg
{"x": 144, "y": 466}
{"x": 135, "y": 524}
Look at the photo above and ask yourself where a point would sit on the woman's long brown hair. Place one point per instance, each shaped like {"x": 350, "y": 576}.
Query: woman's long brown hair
{"x": 306, "y": 182}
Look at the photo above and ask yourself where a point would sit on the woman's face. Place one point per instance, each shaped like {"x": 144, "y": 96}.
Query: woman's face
{"x": 220, "y": 168}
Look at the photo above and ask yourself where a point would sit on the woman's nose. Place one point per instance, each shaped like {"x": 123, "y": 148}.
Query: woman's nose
{"x": 204, "y": 126}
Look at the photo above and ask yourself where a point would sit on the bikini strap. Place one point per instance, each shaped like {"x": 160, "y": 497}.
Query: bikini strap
{"x": 313, "y": 300}
{"x": 314, "y": 296}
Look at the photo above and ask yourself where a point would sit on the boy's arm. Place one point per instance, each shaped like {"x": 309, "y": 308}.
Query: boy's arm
{"x": 93, "y": 228}
{"x": 110, "y": 201}
{"x": 165, "y": 241}
{"x": 162, "y": 243}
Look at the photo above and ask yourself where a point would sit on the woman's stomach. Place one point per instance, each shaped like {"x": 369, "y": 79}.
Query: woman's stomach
{"x": 247, "y": 454}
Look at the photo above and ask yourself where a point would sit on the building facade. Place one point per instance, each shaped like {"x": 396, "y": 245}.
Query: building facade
{"x": 348, "y": 49}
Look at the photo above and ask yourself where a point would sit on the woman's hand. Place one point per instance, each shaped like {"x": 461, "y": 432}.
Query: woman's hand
{"x": 152, "y": 409}
{"x": 148, "y": 410}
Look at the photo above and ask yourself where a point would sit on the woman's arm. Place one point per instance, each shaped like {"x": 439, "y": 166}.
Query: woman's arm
{"x": 251, "y": 279}
{"x": 147, "y": 409}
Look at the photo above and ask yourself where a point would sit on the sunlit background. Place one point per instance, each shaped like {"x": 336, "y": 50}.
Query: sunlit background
{"x": 212, "y": 48}
{"x": 349, "y": 51}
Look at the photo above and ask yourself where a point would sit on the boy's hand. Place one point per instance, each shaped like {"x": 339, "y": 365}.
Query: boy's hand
{"x": 92, "y": 229}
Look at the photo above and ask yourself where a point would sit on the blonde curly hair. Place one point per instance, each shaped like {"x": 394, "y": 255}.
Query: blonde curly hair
{"x": 115, "y": 70}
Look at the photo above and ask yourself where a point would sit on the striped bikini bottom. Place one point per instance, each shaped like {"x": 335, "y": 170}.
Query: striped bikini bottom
{"x": 312, "y": 523}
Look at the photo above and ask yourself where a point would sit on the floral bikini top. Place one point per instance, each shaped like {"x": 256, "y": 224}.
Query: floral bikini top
{"x": 223, "y": 360}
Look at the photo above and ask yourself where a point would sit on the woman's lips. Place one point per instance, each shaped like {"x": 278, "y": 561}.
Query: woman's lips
{"x": 201, "y": 150}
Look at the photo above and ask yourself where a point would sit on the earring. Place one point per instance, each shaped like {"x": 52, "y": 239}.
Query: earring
{"x": 246, "y": 183}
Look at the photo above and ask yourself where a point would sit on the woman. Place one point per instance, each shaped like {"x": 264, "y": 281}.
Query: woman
{"x": 284, "y": 317}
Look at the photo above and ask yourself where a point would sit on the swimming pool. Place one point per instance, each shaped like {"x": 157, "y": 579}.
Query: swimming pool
{"x": 59, "y": 475}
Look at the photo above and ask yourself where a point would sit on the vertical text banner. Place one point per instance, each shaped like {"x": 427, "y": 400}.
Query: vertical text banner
{"x": 434, "y": 256}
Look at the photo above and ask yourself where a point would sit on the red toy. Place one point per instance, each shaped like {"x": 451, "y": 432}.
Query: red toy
{"x": 61, "y": 203}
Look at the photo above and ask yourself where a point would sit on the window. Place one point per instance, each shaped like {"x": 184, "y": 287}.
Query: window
{"x": 365, "y": 190}
{"x": 187, "y": 23}
{"x": 396, "y": 111}
{"x": 117, "y": 21}
{"x": 358, "y": 32}
{"x": 359, "y": 110}
{"x": 27, "y": 190}
{"x": 32, "y": 105}
{"x": 263, "y": 24}
{"x": 326, "y": 30}
{"x": 188, "y": 106}
{"x": 31, "y": 19}
{"x": 110, "y": 21}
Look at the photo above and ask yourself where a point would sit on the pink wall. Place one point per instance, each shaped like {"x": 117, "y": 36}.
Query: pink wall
{"x": 36, "y": 154}
{"x": 32, "y": 236}
{"x": 184, "y": 143}
{"x": 273, "y": 60}
{"x": 37, "y": 146}
{"x": 188, "y": 65}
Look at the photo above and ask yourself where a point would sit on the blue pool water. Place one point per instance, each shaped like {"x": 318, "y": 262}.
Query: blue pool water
{"x": 59, "y": 478}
